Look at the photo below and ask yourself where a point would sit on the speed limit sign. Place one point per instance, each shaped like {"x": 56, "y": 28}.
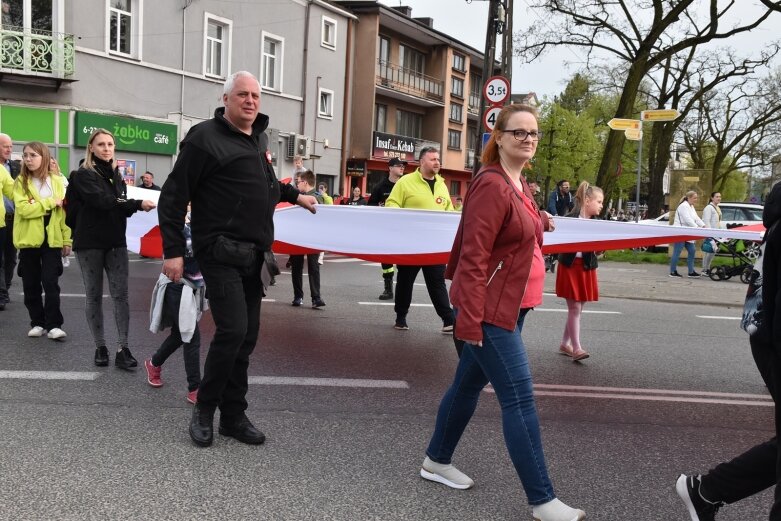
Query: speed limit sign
{"x": 489, "y": 119}
{"x": 496, "y": 90}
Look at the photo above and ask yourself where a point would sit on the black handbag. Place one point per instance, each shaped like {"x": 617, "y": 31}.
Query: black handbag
{"x": 234, "y": 253}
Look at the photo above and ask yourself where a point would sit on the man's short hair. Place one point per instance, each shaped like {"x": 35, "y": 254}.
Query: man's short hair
{"x": 308, "y": 176}
{"x": 228, "y": 87}
{"x": 427, "y": 150}
{"x": 150, "y": 174}
{"x": 561, "y": 182}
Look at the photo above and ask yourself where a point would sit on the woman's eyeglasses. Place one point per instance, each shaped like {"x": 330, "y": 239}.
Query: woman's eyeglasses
{"x": 521, "y": 135}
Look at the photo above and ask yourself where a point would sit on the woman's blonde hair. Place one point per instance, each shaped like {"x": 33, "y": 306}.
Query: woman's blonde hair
{"x": 491, "y": 151}
{"x": 585, "y": 191}
{"x": 89, "y": 162}
{"x": 687, "y": 195}
{"x": 42, "y": 171}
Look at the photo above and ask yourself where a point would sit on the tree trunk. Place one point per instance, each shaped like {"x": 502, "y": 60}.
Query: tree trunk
{"x": 658, "y": 159}
{"x": 606, "y": 178}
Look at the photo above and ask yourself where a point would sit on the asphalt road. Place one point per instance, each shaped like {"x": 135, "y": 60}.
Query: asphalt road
{"x": 348, "y": 405}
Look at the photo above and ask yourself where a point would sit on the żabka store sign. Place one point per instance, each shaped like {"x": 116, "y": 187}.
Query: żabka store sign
{"x": 386, "y": 146}
{"x": 130, "y": 134}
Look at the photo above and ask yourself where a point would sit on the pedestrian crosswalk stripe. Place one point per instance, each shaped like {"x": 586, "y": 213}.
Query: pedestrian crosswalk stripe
{"x": 49, "y": 375}
{"x": 328, "y": 382}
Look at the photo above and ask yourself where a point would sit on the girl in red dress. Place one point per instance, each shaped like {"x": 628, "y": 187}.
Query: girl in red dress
{"x": 576, "y": 278}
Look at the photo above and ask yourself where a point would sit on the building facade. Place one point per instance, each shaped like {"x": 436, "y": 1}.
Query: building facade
{"x": 148, "y": 71}
{"x": 413, "y": 86}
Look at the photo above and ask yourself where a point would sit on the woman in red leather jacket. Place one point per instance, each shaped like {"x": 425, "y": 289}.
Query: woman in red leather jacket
{"x": 498, "y": 273}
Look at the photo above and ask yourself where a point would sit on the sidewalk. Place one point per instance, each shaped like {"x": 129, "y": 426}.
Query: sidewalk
{"x": 652, "y": 282}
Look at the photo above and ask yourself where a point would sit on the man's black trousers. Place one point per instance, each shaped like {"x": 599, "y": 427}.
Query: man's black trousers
{"x": 435, "y": 284}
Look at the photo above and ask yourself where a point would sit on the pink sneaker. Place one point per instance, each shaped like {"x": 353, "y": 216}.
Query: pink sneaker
{"x": 192, "y": 396}
{"x": 153, "y": 373}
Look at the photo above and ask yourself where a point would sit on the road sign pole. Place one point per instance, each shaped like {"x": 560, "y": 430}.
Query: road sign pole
{"x": 639, "y": 170}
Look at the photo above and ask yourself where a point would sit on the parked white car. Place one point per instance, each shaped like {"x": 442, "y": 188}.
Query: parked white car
{"x": 732, "y": 215}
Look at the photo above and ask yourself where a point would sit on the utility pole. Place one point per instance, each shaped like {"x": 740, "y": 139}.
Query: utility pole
{"x": 499, "y": 22}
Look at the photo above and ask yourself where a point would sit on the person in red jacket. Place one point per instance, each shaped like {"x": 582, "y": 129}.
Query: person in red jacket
{"x": 498, "y": 273}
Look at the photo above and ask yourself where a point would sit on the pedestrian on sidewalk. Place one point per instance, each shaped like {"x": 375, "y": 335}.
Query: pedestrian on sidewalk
{"x": 759, "y": 467}
{"x": 498, "y": 275}
{"x": 576, "y": 280}
{"x": 711, "y": 216}
{"x": 179, "y": 305}
{"x": 42, "y": 238}
{"x": 685, "y": 215}
{"x": 98, "y": 209}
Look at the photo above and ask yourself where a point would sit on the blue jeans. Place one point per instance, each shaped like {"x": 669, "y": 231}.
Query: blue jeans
{"x": 677, "y": 248}
{"x": 502, "y": 360}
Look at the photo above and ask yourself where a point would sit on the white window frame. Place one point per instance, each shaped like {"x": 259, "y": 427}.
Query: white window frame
{"x": 326, "y": 21}
{"x": 452, "y": 132}
{"x": 226, "y": 44}
{"x": 279, "y": 61}
{"x": 136, "y": 28}
{"x": 458, "y": 107}
{"x": 328, "y": 114}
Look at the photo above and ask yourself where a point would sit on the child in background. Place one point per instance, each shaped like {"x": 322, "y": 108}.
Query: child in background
{"x": 179, "y": 306}
{"x": 576, "y": 279}
{"x": 42, "y": 238}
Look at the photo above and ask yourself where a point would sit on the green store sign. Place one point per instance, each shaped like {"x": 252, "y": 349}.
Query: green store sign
{"x": 130, "y": 134}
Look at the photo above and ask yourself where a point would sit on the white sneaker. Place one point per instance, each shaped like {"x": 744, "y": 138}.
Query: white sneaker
{"x": 446, "y": 474}
{"x": 556, "y": 511}
{"x": 57, "y": 334}
{"x": 36, "y": 332}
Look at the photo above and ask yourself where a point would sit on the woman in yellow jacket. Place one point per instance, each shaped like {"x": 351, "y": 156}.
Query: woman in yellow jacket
{"x": 42, "y": 238}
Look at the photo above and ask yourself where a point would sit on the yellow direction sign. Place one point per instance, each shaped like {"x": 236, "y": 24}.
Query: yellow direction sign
{"x": 624, "y": 124}
{"x": 659, "y": 115}
{"x": 633, "y": 134}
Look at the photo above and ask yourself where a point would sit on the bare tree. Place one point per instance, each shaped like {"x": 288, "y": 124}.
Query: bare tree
{"x": 683, "y": 82}
{"x": 736, "y": 128}
{"x": 642, "y": 33}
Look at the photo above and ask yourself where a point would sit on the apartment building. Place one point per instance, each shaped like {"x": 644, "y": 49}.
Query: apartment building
{"x": 413, "y": 86}
{"x": 149, "y": 70}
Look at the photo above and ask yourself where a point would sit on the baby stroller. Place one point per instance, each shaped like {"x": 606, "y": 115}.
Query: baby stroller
{"x": 742, "y": 263}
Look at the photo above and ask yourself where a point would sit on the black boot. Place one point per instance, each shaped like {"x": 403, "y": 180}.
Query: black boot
{"x": 124, "y": 359}
{"x": 240, "y": 428}
{"x": 388, "y": 293}
{"x": 202, "y": 426}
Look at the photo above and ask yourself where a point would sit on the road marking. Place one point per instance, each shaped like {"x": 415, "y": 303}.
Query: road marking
{"x": 654, "y": 395}
{"x": 392, "y": 304}
{"x": 328, "y": 382}
{"x": 716, "y": 317}
{"x": 343, "y": 260}
{"x": 48, "y": 375}
{"x": 593, "y": 312}
{"x": 77, "y": 295}
{"x": 269, "y": 300}
{"x": 372, "y": 264}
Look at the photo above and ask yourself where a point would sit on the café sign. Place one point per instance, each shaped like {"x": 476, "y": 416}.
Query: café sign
{"x": 130, "y": 134}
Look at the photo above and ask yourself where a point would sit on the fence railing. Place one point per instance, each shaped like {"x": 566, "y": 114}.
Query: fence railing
{"x": 36, "y": 52}
{"x": 404, "y": 80}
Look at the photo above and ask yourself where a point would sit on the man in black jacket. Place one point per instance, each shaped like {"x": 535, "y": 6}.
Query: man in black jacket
{"x": 379, "y": 193}
{"x": 7, "y": 250}
{"x": 224, "y": 168}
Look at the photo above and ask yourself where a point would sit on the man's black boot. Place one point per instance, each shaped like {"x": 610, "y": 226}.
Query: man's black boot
{"x": 202, "y": 426}
{"x": 388, "y": 293}
{"x": 241, "y": 428}
{"x": 124, "y": 360}
{"x": 101, "y": 356}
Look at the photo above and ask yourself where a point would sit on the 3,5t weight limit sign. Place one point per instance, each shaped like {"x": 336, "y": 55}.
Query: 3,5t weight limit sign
{"x": 496, "y": 90}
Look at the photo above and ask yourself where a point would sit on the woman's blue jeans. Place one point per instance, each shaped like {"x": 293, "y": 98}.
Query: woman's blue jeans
{"x": 690, "y": 253}
{"x": 502, "y": 361}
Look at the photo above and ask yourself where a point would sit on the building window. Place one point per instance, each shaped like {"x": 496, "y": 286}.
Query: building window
{"x": 457, "y": 87}
{"x": 328, "y": 33}
{"x": 454, "y": 139}
{"x": 271, "y": 61}
{"x": 456, "y": 112}
{"x": 459, "y": 62}
{"x": 383, "y": 50}
{"x": 124, "y": 18}
{"x": 411, "y": 60}
{"x": 380, "y": 117}
{"x": 455, "y": 188}
{"x": 325, "y": 105}
{"x": 409, "y": 124}
{"x": 216, "y": 52}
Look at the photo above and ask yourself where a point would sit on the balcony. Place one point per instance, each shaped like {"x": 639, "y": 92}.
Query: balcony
{"x": 474, "y": 104}
{"x": 36, "y": 56}
{"x": 407, "y": 82}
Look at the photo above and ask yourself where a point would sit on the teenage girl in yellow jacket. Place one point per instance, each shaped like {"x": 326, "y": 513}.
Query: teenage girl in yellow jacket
{"x": 42, "y": 238}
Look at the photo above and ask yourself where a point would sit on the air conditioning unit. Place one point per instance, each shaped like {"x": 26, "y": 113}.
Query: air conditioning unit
{"x": 298, "y": 145}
